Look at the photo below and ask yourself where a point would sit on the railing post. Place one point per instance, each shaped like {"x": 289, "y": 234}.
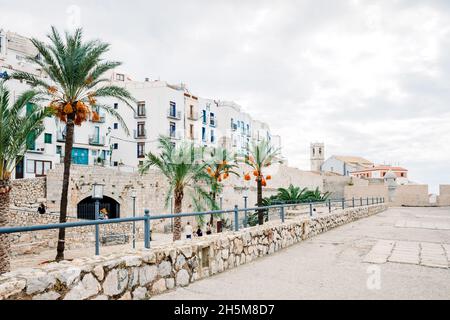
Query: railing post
{"x": 353, "y": 201}
{"x": 310, "y": 209}
{"x": 343, "y": 203}
{"x": 361, "y": 201}
{"x": 97, "y": 228}
{"x": 329, "y": 205}
{"x": 236, "y": 218}
{"x": 245, "y": 212}
{"x": 147, "y": 229}
{"x": 282, "y": 214}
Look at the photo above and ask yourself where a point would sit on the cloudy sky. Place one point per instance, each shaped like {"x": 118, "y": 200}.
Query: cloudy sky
{"x": 367, "y": 78}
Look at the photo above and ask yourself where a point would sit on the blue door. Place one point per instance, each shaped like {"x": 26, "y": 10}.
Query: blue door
{"x": 80, "y": 156}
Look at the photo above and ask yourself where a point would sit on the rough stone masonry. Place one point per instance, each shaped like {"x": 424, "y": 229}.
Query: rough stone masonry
{"x": 141, "y": 274}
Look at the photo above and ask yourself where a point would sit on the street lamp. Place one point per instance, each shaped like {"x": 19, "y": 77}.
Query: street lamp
{"x": 97, "y": 195}
{"x": 133, "y": 196}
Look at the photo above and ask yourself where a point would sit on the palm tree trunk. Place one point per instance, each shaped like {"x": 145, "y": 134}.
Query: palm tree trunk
{"x": 4, "y": 238}
{"x": 211, "y": 219}
{"x": 259, "y": 201}
{"x": 65, "y": 188}
{"x": 177, "y": 209}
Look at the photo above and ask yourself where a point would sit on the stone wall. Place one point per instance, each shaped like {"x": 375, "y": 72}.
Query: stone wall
{"x": 28, "y": 193}
{"x": 411, "y": 195}
{"x": 142, "y": 274}
{"x": 444, "y": 196}
{"x": 380, "y": 191}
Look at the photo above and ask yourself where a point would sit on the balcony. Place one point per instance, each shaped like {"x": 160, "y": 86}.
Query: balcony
{"x": 193, "y": 116}
{"x": 140, "y": 134}
{"x": 176, "y": 135}
{"x": 39, "y": 148}
{"x": 95, "y": 140}
{"x": 174, "y": 115}
{"x": 140, "y": 115}
{"x": 102, "y": 118}
{"x": 61, "y": 137}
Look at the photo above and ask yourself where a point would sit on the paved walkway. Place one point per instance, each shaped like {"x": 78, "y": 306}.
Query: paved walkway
{"x": 402, "y": 253}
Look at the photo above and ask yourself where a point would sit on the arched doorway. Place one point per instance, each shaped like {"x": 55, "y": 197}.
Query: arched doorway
{"x": 86, "y": 208}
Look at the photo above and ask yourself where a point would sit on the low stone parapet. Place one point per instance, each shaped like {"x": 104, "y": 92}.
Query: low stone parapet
{"x": 142, "y": 274}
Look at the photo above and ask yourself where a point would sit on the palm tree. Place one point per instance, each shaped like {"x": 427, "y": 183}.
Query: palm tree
{"x": 184, "y": 174}
{"x": 222, "y": 165}
{"x": 76, "y": 70}
{"x": 261, "y": 155}
{"x": 15, "y": 126}
{"x": 291, "y": 194}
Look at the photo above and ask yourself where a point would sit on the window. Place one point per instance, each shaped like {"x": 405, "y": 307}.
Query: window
{"x": 141, "y": 109}
{"x": 1, "y": 45}
{"x": 38, "y": 167}
{"x": 212, "y": 136}
{"x": 191, "y": 111}
{"x": 204, "y": 116}
{"x": 212, "y": 120}
{"x": 203, "y": 133}
{"x": 116, "y": 126}
{"x": 173, "y": 109}
{"x": 48, "y": 138}
{"x": 116, "y": 106}
{"x": 172, "y": 129}
{"x": 59, "y": 150}
{"x": 402, "y": 175}
{"x": 116, "y": 146}
{"x": 116, "y": 164}
{"x": 120, "y": 77}
{"x": 191, "y": 131}
{"x": 141, "y": 150}
{"x": 141, "y": 129}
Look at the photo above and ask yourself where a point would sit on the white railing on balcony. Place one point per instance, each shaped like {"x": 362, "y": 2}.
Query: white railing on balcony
{"x": 192, "y": 116}
{"x": 140, "y": 134}
{"x": 174, "y": 134}
{"x": 174, "y": 115}
{"x": 96, "y": 140}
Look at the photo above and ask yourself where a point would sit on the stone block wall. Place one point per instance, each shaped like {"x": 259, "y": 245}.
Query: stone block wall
{"x": 380, "y": 191}
{"x": 28, "y": 193}
{"x": 444, "y": 195}
{"x": 412, "y": 195}
{"x": 142, "y": 274}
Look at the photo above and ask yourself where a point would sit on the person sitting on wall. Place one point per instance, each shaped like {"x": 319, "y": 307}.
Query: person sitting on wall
{"x": 188, "y": 231}
{"x": 199, "y": 232}
{"x": 41, "y": 208}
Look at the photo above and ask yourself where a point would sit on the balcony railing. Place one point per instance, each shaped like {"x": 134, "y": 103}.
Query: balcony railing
{"x": 102, "y": 118}
{"x": 193, "y": 116}
{"x": 95, "y": 140}
{"x": 174, "y": 115}
{"x": 174, "y": 134}
{"x": 61, "y": 137}
{"x": 140, "y": 134}
{"x": 39, "y": 148}
{"x": 140, "y": 114}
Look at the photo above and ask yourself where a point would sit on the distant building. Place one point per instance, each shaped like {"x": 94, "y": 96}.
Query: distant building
{"x": 317, "y": 152}
{"x": 380, "y": 172}
{"x": 345, "y": 165}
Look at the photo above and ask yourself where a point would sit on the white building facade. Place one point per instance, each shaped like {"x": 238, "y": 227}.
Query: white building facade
{"x": 161, "y": 109}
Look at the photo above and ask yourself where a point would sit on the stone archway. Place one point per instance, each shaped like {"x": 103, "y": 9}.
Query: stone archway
{"x": 86, "y": 208}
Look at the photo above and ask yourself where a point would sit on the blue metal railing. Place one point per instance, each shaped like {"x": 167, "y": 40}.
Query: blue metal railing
{"x": 342, "y": 203}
